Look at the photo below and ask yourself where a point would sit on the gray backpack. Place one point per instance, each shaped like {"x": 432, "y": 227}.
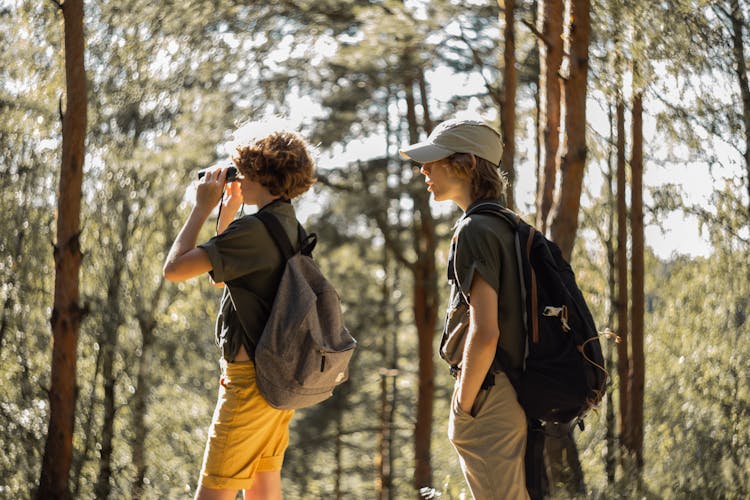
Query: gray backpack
{"x": 304, "y": 350}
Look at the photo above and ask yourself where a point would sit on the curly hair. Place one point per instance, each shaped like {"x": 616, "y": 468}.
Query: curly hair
{"x": 280, "y": 161}
{"x": 487, "y": 181}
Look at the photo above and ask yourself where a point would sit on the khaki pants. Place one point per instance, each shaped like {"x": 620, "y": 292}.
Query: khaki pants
{"x": 491, "y": 442}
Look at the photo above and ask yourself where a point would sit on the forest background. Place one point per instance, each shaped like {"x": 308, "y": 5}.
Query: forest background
{"x": 633, "y": 87}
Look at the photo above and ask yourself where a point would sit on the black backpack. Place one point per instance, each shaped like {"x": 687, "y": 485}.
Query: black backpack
{"x": 563, "y": 375}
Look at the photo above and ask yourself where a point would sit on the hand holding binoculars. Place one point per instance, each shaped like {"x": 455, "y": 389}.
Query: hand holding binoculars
{"x": 232, "y": 174}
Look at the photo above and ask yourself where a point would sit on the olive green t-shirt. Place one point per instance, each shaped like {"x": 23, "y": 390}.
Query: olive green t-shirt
{"x": 485, "y": 244}
{"x": 249, "y": 263}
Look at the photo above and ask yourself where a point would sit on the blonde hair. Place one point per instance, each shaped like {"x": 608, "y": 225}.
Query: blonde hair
{"x": 487, "y": 181}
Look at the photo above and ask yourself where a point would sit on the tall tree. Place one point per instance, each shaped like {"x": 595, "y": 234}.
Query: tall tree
{"x": 622, "y": 300}
{"x": 612, "y": 303}
{"x": 508, "y": 108}
{"x": 550, "y": 59}
{"x": 636, "y": 377}
{"x": 67, "y": 313}
{"x": 564, "y": 222}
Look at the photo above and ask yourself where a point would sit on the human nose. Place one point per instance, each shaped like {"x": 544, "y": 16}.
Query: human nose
{"x": 424, "y": 170}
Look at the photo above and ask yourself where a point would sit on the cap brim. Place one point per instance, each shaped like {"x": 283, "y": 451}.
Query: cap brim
{"x": 424, "y": 152}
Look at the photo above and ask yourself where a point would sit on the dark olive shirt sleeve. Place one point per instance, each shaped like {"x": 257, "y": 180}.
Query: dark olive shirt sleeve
{"x": 235, "y": 252}
{"x": 477, "y": 251}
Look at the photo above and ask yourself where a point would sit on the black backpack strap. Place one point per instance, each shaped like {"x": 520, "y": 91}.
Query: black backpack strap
{"x": 276, "y": 230}
{"x": 490, "y": 207}
{"x": 278, "y": 234}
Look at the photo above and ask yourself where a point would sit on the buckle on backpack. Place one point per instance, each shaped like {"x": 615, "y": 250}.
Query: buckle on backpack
{"x": 454, "y": 371}
{"x": 561, "y": 312}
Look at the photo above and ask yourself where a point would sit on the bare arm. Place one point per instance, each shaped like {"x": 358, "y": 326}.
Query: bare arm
{"x": 231, "y": 205}
{"x": 185, "y": 260}
{"x": 481, "y": 341}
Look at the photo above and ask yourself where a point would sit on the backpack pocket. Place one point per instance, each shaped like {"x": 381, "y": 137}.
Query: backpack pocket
{"x": 322, "y": 367}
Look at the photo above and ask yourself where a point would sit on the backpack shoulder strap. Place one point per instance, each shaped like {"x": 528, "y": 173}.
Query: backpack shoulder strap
{"x": 278, "y": 234}
{"x": 276, "y": 230}
{"x": 490, "y": 207}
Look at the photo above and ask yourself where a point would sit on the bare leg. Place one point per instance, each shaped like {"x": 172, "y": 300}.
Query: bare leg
{"x": 266, "y": 486}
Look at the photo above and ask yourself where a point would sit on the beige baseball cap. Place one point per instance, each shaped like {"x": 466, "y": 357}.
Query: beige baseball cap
{"x": 458, "y": 136}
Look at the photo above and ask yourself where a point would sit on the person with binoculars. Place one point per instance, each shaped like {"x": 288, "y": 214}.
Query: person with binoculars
{"x": 247, "y": 438}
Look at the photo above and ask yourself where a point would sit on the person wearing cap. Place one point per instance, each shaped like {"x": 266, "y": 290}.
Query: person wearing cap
{"x": 487, "y": 425}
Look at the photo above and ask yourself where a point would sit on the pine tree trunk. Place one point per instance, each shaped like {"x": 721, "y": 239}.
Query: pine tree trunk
{"x": 550, "y": 59}
{"x": 564, "y": 225}
{"x": 610, "y": 461}
{"x": 534, "y": 56}
{"x": 623, "y": 358}
{"x": 508, "y": 110}
{"x": 425, "y": 315}
{"x": 67, "y": 312}
{"x": 637, "y": 368}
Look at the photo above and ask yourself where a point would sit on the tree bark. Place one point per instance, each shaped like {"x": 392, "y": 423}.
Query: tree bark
{"x": 611, "y": 458}
{"x": 67, "y": 312}
{"x": 550, "y": 59}
{"x": 508, "y": 110}
{"x": 637, "y": 368}
{"x": 425, "y": 315}
{"x": 536, "y": 54}
{"x": 564, "y": 224}
{"x": 623, "y": 358}
{"x": 738, "y": 25}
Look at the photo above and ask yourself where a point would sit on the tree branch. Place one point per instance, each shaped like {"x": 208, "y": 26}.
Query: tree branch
{"x": 392, "y": 242}
{"x": 477, "y": 59}
{"x": 323, "y": 179}
{"x": 536, "y": 32}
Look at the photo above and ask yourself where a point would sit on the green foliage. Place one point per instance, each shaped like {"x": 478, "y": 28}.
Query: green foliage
{"x": 166, "y": 81}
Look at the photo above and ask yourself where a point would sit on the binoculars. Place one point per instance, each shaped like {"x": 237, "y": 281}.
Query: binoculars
{"x": 232, "y": 174}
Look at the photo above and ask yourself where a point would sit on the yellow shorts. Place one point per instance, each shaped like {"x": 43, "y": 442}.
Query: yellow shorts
{"x": 246, "y": 434}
